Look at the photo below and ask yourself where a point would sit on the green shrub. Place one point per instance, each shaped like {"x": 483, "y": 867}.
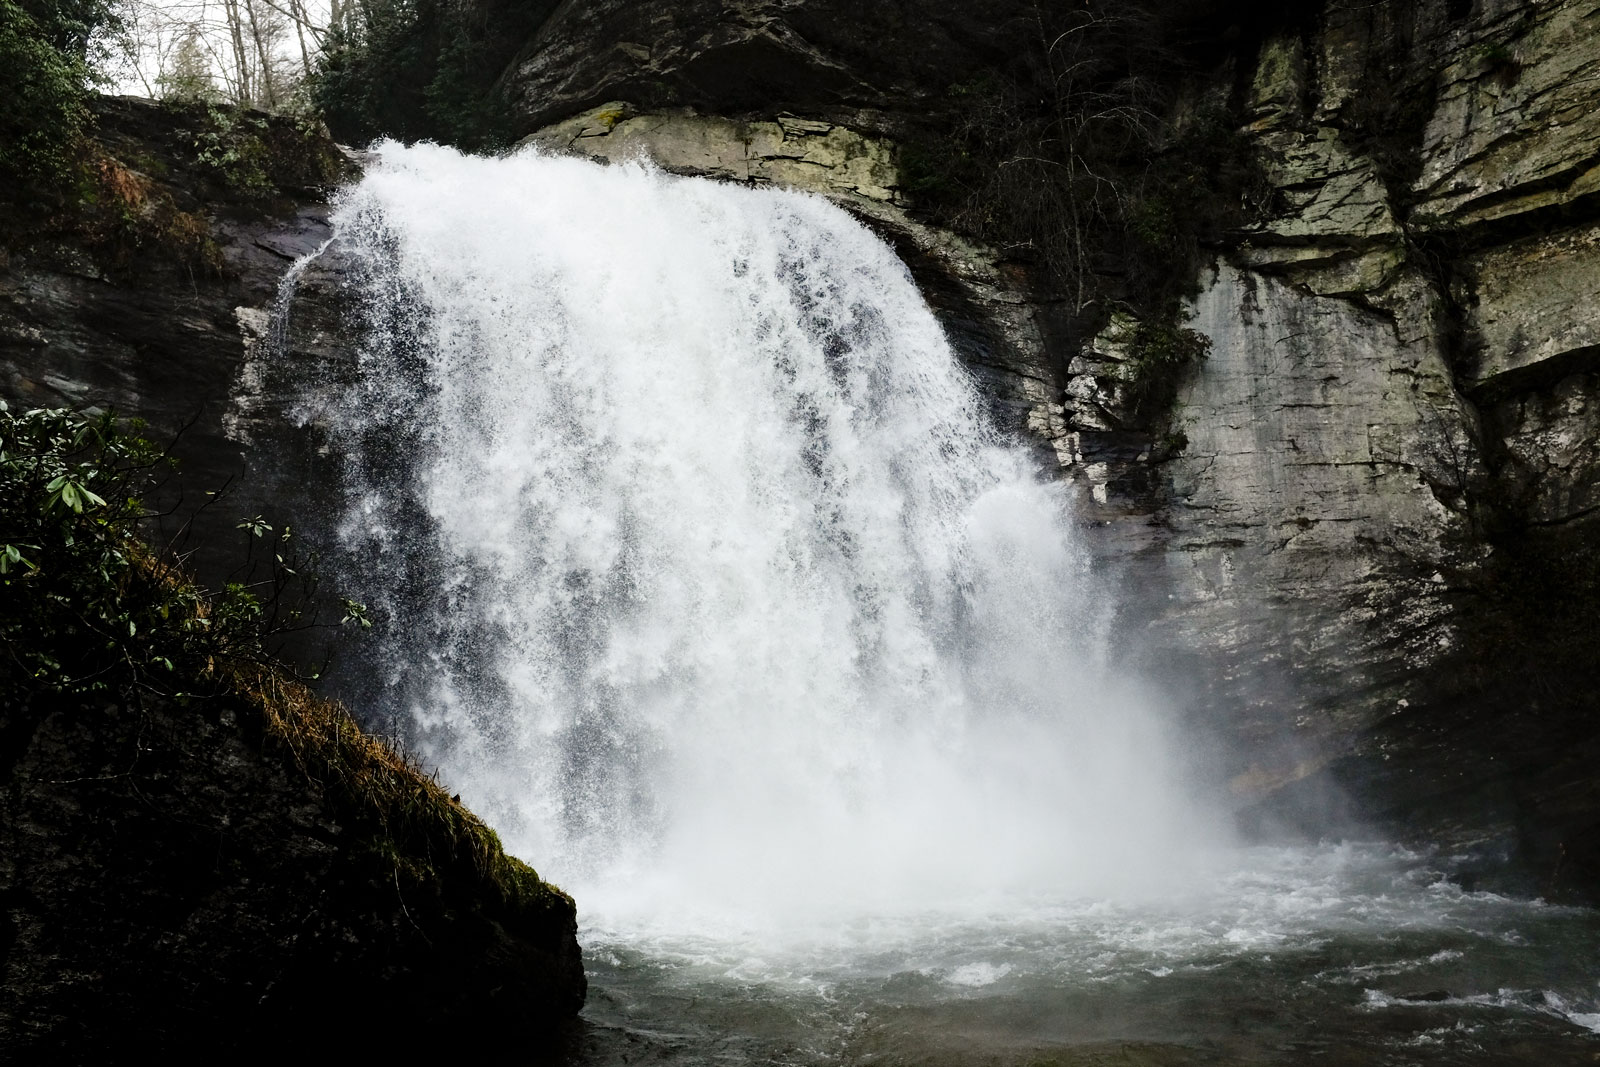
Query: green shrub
{"x": 88, "y": 610}
{"x": 423, "y": 70}
{"x": 42, "y": 86}
{"x": 70, "y": 494}
{"x": 85, "y": 605}
{"x": 230, "y": 145}
{"x": 51, "y": 53}
{"x": 1159, "y": 349}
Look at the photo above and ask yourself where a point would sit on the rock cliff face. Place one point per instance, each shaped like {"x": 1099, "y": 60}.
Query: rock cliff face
{"x": 984, "y": 307}
{"x": 1390, "y": 451}
{"x": 1395, "y": 419}
{"x": 152, "y": 299}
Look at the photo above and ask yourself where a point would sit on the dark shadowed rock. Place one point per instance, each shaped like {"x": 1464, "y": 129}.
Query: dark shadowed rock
{"x": 172, "y": 880}
{"x": 158, "y": 317}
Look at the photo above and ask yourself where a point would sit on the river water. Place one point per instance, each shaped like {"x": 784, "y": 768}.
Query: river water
{"x": 1349, "y": 954}
{"x": 703, "y": 576}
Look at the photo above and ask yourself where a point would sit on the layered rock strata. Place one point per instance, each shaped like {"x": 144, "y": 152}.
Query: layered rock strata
{"x": 1367, "y": 510}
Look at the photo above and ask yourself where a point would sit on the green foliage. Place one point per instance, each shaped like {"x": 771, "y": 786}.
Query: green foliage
{"x": 252, "y": 155}
{"x": 1495, "y": 55}
{"x": 71, "y": 610}
{"x": 44, "y": 74}
{"x": 85, "y": 606}
{"x": 463, "y": 108}
{"x": 356, "y": 613}
{"x": 928, "y": 175}
{"x": 423, "y": 69}
{"x": 1159, "y": 349}
{"x": 51, "y": 53}
{"x": 231, "y": 146}
{"x": 374, "y": 70}
{"x": 129, "y": 222}
{"x": 87, "y": 610}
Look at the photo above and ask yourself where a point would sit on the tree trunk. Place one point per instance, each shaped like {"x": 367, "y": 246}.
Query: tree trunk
{"x": 241, "y": 58}
{"x": 269, "y": 95}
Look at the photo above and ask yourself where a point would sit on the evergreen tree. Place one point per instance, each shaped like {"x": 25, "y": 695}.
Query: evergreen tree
{"x": 188, "y": 77}
{"x": 51, "y": 53}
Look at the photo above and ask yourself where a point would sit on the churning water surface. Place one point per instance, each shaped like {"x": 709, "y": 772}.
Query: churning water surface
{"x": 708, "y": 583}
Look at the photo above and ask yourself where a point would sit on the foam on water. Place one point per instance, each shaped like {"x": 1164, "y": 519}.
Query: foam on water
{"x": 1260, "y": 902}
{"x": 737, "y": 609}
{"x": 1357, "y": 947}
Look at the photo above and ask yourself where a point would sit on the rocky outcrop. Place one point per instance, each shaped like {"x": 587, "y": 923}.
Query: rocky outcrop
{"x": 1386, "y": 459}
{"x": 1513, "y": 125}
{"x": 147, "y": 298}
{"x": 1396, "y": 404}
{"x": 995, "y": 327}
{"x": 823, "y": 58}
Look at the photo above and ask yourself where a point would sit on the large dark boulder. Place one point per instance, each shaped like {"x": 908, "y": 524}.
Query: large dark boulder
{"x": 737, "y": 56}
{"x": 175, "y": 877}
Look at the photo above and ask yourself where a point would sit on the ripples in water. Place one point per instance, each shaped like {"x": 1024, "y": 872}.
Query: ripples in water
{"x": 1337, "y": 955}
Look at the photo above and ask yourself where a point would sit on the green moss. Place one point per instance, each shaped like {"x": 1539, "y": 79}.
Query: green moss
{"x": 127, "y": 221}
{"x": 231, "y": 147}
{"x": 1495, "y": 55}
{"x": 119, "y": 200}
{"x": 422, "y": 835}
{"x": 254, "y": 155}
{"x": 1172, "y": 443}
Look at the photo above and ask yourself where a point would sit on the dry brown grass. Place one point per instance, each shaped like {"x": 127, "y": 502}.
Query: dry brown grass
{"x": 126, "y": 219}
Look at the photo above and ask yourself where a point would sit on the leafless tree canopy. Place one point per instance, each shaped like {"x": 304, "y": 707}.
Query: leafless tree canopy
{"x": 253, "y": 53}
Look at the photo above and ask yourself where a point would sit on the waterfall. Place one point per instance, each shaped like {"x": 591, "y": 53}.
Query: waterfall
{"x": 702, "y": 574}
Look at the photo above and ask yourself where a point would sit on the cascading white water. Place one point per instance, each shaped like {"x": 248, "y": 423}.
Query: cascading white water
{"x": 704, "y": 579}
{"x": 709, "y": 583}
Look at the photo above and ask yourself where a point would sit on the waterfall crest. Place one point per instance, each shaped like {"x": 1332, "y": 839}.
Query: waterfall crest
{"x": 705, "y": 578}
